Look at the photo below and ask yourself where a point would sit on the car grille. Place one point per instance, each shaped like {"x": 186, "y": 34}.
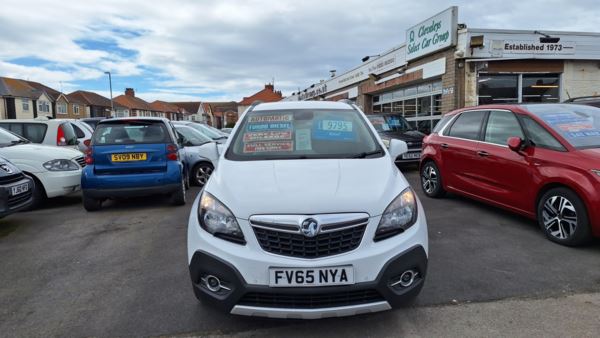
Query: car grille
{"x": 80, "y": 161}
{"x": 285, "y": 239}
{"x": 18, "y": 200}
{"x": 11, "y": 179}
{"x": 311, "y": 301}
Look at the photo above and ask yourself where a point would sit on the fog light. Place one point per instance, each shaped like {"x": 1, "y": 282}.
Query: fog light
{"x": 213, "y": 283}
{"x": 407, "y": 278}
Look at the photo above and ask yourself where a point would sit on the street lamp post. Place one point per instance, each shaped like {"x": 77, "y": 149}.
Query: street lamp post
{"x": 112, "y": 108}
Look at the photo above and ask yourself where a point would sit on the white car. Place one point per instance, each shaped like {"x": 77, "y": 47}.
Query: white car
{"x": 83, "y": 131}
{"x": 55, "y": 170}
{"x": 200, "y": 154}
{"x": 50, "y": 132}
{"x": 307, "y": 217}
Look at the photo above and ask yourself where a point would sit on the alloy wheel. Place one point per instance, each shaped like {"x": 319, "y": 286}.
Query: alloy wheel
{"x": 429, "y": 179}
{"x": 203, "y": 174}
{"x": 560, "y": 217}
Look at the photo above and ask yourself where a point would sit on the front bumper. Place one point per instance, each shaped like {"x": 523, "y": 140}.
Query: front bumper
{"x": 244, "y": 270}
{"x": 308, "y": 302}
{"x": 400, "y": 160}
{"x": 60, "y": 183}
{"x": 10, "y": 204}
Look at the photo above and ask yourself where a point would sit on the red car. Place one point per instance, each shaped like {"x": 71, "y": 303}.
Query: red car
{"x": 538, "y": 160}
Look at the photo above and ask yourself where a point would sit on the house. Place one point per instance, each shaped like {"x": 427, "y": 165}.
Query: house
{"x": 53, "y": 94}
{"x": 223, "y": 114}
{"x": 170, "y": 110}
{"x": 268, "y": 94}
{"x": 21, "y": 100}
{"x": 134, "y": 106}
{"x": 71, "y": 108}
{"x": 191, "y": 111}
{"x": 94, "y": 105}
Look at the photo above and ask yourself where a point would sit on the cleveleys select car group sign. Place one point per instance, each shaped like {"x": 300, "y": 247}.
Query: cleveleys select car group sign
{"x": 433, "y": 34}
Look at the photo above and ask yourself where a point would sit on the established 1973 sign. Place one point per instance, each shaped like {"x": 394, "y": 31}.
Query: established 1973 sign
{"x": 433, "y": 34}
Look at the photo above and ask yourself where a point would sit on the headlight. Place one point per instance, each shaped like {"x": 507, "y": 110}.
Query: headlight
{"x": 596, "y": 171}
{"x": 386, "y": 142}
{"x": 61, "y": 165}
{"x": 216, "y": 219}
{"x": 400, "y": 215}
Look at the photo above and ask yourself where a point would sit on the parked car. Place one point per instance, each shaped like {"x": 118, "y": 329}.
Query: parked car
{"x": 43, "y": 131}
{"x": 204, "y": 129}
{"x": 394, "y": 126}
{"x": 92, "y": 121}
{"x": 56, "y": 171}
{"x": 541, "y": 161}
{"x": 200, "y": 154}
{"x": 593, "y": 101}
{"x": 307, "y": 217}
{"x": 83, "y": 131}
{"x": 16, "y": 189}
{"x": 133, "y": 157}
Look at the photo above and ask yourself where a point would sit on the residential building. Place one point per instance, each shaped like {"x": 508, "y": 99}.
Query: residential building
{"x": 191, "y": 111}
{"x": 134, "y": 106}
{"x": 21, "y": 100}
{"x": 267, "y": 94}
{"x": 71, "y": 108}
{"x": 52, "y": 94}
{"x": 95, "y": 105}
{"x": 170, "y": 110}
{"x": 223, "y": 113}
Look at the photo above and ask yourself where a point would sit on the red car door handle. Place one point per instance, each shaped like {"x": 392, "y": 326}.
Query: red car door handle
{"x": 483, "y": 153}
{"x": 444, "y": 145}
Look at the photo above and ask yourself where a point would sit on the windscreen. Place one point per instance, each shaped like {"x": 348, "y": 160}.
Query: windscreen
{"x": 7, "y": 138}
{"x": 205, "y": 130}
{"x": 192, "y": 136}
{"x": 578, "y": 124}
{"x": 303, "y": 134}
{"x": 130, "y": 131}
{"x": 383, "y": 123}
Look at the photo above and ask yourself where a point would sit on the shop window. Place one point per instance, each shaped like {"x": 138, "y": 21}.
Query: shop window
{"x": 377, "y": 109}
{"x": 540, "y": 88}
{"x": 498, "y": 89}
{"x": 424, "y": 106}
{"x": 425, "y": 88}
{"x": 397, "y": 107}
{"x": 410, "y": 108}
{"x": 398, "y": 94}
{"x": 410, "y": 91}
{"x": 436, "y": 86}
{"x": 387, "y": 97}
{"x": 375, "y": 99}
{"x": 386, "y": 108}
{"x": 437, "y": 104}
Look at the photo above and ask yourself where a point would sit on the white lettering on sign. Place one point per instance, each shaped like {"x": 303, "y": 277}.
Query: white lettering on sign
{"x": 433, "y": 34}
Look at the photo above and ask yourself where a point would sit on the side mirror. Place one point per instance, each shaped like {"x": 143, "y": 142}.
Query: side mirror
{"x": 397, "y": 148}
{"x": 515, "y": 143}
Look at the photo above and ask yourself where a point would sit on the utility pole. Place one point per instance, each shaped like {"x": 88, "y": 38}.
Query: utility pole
{"x": 112, "y": 108}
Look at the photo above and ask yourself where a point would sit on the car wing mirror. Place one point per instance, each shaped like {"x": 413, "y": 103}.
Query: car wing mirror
{"x": 397, "y": 148}
{"x": 515, "y": 144}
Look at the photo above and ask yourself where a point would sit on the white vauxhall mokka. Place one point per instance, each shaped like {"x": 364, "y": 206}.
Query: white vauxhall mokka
{"x": 307, "y": 217}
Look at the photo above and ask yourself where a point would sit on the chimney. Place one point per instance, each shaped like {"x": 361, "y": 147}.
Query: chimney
{"x": 269, "y": 86}
{"x": 130, "y": 92}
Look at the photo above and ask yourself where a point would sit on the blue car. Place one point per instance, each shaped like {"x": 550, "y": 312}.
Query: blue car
{"x": 130, "y": 157}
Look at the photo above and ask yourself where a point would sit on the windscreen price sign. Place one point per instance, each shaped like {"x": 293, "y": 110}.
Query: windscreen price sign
{"x": 433, "y": 34}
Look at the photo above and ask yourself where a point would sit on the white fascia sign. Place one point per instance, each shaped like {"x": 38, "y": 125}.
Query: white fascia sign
{"x": 433, "y": 34}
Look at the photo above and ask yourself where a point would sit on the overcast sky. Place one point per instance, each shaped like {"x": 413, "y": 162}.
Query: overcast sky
{"x": 224, "y": 50}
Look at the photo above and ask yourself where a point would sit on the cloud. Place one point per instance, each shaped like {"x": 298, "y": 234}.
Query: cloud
{"x": 229, "y": 49}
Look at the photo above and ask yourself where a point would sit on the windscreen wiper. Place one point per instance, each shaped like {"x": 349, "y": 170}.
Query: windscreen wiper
{"x": 368, "y": 153}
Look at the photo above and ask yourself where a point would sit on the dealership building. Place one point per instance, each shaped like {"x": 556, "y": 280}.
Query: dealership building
{"x": 444, "y": 65}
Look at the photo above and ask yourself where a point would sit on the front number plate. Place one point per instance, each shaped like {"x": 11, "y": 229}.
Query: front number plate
{"x": 410, "y": 156}
{"x": 19, "y": 189}
{"x": 126, "y": 157}
{"x": 304, "y": 277}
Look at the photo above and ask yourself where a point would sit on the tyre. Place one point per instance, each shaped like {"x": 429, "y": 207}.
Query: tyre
{"x": 91, "y": 204}
{"x": 178, "y": 197}
{"x": 201, "y": 173}
{"x": 39, "y": 194}
{"x": 563, "y": 217}
{"x": 431, "y": 180}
